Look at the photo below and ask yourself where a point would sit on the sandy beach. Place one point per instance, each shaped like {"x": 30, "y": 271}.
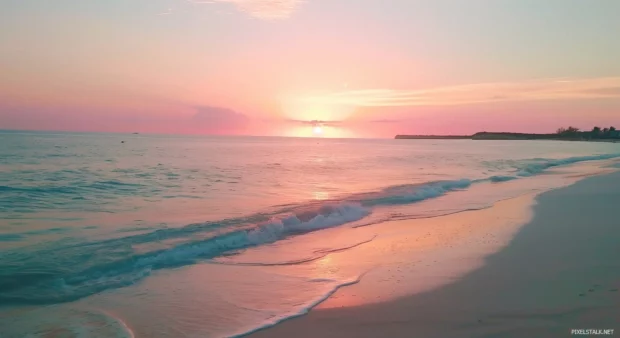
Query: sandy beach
{"x": 558, "y": 273}
{"x": 436, "y": 240}
{"x": 309, "y": 168}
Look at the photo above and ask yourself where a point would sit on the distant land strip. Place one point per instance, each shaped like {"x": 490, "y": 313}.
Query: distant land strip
{"x": 576, "y": 136}
{"x": 433, "y": 137}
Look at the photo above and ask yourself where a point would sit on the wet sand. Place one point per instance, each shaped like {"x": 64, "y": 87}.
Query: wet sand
{"x": 560, "y": 272}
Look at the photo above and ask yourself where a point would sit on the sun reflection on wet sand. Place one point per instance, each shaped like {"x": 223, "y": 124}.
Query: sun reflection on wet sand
{"x": 394, "y": 259}
{"x": 413, "y": 256}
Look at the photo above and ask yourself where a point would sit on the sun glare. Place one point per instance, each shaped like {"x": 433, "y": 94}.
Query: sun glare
{"x": 317, "y": 130}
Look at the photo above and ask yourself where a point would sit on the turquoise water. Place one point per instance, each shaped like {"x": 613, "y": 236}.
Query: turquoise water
{"x": 82, "y": 214}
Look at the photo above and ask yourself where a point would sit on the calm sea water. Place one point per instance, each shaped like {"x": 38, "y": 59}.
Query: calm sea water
{"x": 86, "y": 214}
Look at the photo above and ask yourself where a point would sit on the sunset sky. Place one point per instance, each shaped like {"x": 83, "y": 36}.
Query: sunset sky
{"x": 269, "y": 67}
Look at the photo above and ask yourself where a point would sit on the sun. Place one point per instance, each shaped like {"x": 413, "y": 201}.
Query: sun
{"x": 317, "y": 130}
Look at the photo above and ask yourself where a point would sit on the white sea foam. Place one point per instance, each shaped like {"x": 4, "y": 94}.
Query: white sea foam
{"x": 116, "y": 266}
{"x": 221, "y": 185}
{"x": 417, "y": 193}
{"x": 268, "y": 232}
{"x": 540, "y": 166}
{"x": 334, "y": 285}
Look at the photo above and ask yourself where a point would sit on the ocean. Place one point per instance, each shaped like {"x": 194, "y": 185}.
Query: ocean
{"x": 122, "y": 235}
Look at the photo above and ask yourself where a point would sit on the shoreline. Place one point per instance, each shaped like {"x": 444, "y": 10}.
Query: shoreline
{"x": 380, "y": 263}
{"x": 555, "y": 275}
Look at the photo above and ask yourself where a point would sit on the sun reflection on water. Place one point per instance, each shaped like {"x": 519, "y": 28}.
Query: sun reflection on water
{"x": 321, "y": 195}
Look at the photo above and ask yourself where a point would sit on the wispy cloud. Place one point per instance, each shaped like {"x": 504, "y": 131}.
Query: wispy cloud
{"x": 536, "y": 90}
{"x": 317, "y": 122}
{"x": 386, "y": 121}
{"x": 262, "y": 9}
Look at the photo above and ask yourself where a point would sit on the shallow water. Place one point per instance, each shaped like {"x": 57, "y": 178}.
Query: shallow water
{"x": 93, "y": 219}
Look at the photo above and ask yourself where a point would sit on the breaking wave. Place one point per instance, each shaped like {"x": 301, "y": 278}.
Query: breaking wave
{"x": 543, "y": 164}
{"x": 40, "y": 284}
{"x": 69, "y": 270}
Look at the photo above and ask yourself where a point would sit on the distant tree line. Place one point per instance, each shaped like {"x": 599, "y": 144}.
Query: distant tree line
{"x": 595, "y": 133}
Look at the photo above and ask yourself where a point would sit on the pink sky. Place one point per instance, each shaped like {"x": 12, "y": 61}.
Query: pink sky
{"x": 266, "y": 67}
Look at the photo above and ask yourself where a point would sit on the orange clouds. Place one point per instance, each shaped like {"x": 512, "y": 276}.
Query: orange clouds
{"x": 536, "y": 90}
